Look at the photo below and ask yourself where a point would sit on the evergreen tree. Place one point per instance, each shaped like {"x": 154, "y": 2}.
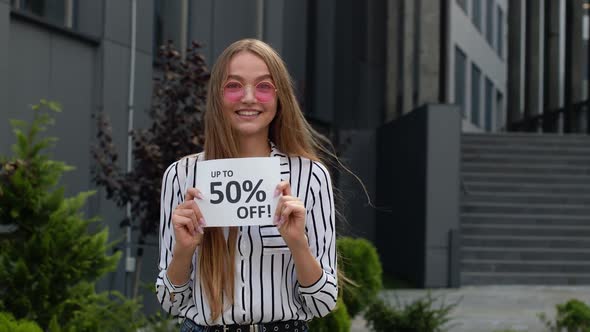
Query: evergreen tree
{"x": 49, "y": 261}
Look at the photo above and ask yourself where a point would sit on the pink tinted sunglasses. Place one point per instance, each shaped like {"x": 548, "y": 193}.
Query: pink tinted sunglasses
{"x": 264, "y": 91}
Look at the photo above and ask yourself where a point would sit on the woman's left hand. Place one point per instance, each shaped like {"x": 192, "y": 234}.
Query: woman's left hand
{"x": 290, "y": 217}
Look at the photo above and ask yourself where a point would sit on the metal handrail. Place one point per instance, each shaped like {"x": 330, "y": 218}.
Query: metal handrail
{"x": 550, "y": 119}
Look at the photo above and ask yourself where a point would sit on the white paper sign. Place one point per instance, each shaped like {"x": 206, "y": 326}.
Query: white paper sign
{"x": 239, "y": 191}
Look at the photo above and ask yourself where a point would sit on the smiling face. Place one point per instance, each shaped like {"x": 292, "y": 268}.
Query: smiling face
{"x": 249, "y": 95}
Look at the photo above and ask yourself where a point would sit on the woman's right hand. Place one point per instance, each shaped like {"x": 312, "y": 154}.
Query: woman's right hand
{"x": 188, "y": 223}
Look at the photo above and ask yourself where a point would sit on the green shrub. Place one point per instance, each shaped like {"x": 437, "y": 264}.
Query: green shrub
{"x": 336, "y": 321}
{"x": 573, "y": 316}
{"x": 359, "y": 263}
{"x": 49, "y": 260}
{"x": 9, "y": 324}
{"x": 418, "y": 316}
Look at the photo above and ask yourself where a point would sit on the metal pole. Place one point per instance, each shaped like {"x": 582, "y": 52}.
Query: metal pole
{"x": 587, "y": 103}
{"x": 129, "y": 259}
{"x": 260, "y": 19}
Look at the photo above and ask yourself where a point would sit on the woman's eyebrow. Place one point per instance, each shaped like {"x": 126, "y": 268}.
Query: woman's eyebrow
{"x": 240, "y": 78}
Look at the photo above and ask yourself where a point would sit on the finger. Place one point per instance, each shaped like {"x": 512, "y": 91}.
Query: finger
{"x": 294, "y": 206}
{"x": 192, "y": 193}
{"x": 278, "y": 210}
{"x": 285, "y": 215}
{"x": 184, "y": 222}
{"x": 283, "y": 188}
{"x": 281, "y": 204}
{"x": 189, "y": 213}
{"x": 201, "y": 230}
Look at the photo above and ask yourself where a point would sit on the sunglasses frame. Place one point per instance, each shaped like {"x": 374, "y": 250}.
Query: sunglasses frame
{"x": 244, "y": 91}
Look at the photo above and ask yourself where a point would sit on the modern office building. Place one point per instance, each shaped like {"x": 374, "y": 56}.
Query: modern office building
{"x": 358, "y": 66}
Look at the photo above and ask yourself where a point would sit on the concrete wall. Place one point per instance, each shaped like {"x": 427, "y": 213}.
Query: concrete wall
{"x": 418, "y": 194}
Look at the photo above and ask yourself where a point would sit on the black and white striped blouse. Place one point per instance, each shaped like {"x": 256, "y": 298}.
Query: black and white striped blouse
{"x": 266, "y": 286}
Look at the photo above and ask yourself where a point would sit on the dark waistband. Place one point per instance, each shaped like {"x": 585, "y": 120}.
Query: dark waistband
{"x": 289, "y": 325}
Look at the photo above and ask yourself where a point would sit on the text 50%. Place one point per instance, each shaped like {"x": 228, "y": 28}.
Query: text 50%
{"x": 233, "y": 193}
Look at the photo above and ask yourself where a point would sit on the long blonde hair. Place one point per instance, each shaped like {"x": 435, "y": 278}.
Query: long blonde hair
{"x": 289, "y": 130}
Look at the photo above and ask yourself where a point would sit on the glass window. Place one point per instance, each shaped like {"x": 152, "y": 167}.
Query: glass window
{"x": 490, "y": 22}
{"x": 462, "y": 4}
{"x": 500, "y": 32}
{"x": 475, "y": 94}
{"x": 488, "y": 106}
{"x": 476, "y": 6}
{"x": 59, "y": 12}
{"x": 460, "y": 66}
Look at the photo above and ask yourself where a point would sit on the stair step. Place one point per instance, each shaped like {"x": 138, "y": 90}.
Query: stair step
{"x": 526, "y": 208}
{"x": 579, "y": 242}
{"x": 526, "y": 178}
{"x": 533, "y": 198}
{"x": 528, "y": 254}
{"x": 550, "y": 188}
{"x": 523, "y": 219}
{"x": 524, "y": 230}
{"x": 470, "y": 265}
{"x": 543, "y": 138}
{"x": 526, "y": 159}
{"x": 510, "y": 149}
{"x": 509, "y": 168}
{"x": 522, "y": 278}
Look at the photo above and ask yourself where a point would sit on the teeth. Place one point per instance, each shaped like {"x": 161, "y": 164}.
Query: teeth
{"x": 248, "y": 113}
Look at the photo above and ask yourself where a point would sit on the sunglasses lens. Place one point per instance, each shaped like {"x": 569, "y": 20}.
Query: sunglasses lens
{"x": 265, "y": 92}
{"x": 233, "y": 92}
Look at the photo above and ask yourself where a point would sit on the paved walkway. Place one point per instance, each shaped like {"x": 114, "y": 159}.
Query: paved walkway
{"x": 494, "y": 308}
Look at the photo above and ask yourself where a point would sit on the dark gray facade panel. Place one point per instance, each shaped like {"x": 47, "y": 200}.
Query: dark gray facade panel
{"x": 401, "y": 197}
{"x": 171, "y": 29}
{"x": 145, "y": 26}
{"x": 442, "y": 196}
{"x": 143, "y": 90}
{"x": 294, "y": 46}
{"x": 114, "y": 97}
{"x": 29, "y": 60}
{"x": 117, "y": 26}
{"x": 201, "y": 22}
{"x": 349, "y": 44}
{"x": 371, "y": 91}
{"x": 443, "y": 153}
{"x": 273, "y": 27}
{"x": 71, "y": 84}
{"x": 5, "y": 80}
{"x": 324, "y": 93}
{"x": 234, "y": 20}
{"x": 436, "y": 270}
{"x": 357, "y": 150}
{"x": 90, "y": 16}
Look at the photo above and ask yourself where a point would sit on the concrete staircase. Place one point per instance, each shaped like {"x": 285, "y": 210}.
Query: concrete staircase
{"x": 525, "y": 209}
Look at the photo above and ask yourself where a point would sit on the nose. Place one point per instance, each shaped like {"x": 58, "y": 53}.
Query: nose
{"x": 249, "y": 94}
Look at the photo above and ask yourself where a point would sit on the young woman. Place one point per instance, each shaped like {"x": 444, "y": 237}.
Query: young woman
{"x": 251, "y": 278}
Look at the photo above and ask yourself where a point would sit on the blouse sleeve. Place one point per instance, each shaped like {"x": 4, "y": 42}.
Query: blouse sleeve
{"x": 320, "y": 297}
{"x": 173, "y": 298}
